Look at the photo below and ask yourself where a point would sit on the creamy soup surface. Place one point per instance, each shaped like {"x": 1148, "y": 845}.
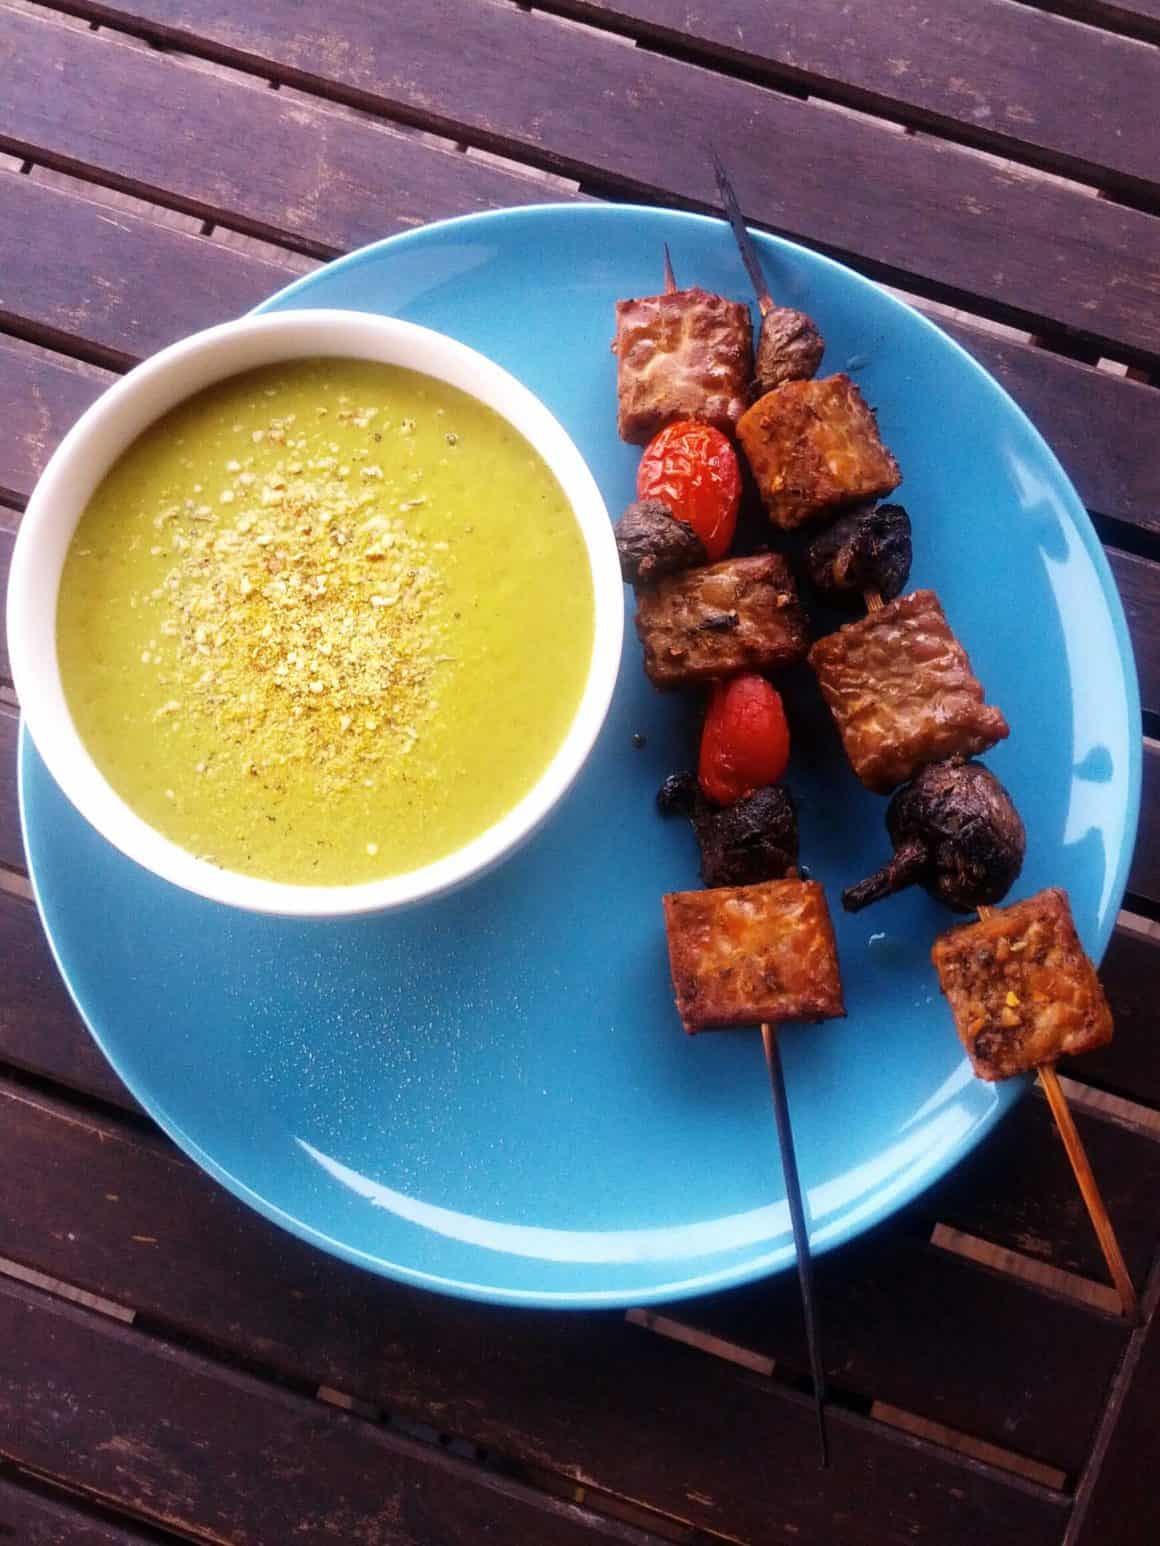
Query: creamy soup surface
{"x": 325, "y": 622}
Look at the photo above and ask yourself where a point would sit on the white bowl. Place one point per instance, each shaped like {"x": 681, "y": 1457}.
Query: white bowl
{"x": 114, "y": 422}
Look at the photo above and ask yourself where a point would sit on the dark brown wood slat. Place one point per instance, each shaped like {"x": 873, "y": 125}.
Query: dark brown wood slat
{"x": 7, "y": 538}
{"x": 891, "y": 1307}
{"x": 1103, "y": 428}
{"x": 40, "y": 1029}
{"x": 994, "y": 73}
{"x": 1119, "y": 1504}
{"x": 41, "y": 394}
{"x": 85, "y": 1399}
{"x": 587, "y": 1395}
{"x": 1128, "y": 1065}
{"x": 1001, "y": 1386}
{"x": 320, "y": 179}
{"x": 1016, "y": 1190}
{"x": 156, "y": 284}
{"x": 30, "y": 1518}
{"x": 586, "y": 105}
{"x": 1144, "y": 880}
{"x": 1138, "y": 580}
{"x": 11, "y": 842}
{"x": 1136, "y": 18}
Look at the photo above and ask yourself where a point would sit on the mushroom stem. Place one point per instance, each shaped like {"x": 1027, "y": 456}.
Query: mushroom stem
{"x": 908, "y": 866}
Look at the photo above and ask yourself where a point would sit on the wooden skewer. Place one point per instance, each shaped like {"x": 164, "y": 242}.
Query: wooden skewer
{"x": 1073, "y": 1143}
{"x": 765, "y": 301}
{"x": 670, "y": 277}
{"x": 801, "y": 1238}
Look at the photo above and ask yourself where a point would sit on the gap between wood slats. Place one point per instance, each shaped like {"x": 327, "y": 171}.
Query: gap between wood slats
{"x": 1041, "y": 1275}
{"x": 940, "y": 1434}
{"x": 265, "y": 43}
{"x": 1131, "y": 18}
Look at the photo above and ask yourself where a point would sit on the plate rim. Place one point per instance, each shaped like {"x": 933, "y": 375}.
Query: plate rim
{"x": 756, "y": 1267}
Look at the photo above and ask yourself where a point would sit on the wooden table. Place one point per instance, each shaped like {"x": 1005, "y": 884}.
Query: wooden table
{"x": 172, "y": 1368}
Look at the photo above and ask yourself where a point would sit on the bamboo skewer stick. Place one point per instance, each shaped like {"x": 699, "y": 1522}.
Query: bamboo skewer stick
{"x": 765, "y": 301}
{"x": 801, "y": 1238}
{"x": 1073, "y": 1144}
{"x": 670, "y": 277}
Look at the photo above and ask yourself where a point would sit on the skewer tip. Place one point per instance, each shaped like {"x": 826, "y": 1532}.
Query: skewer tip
{"x": 670, "y": 277}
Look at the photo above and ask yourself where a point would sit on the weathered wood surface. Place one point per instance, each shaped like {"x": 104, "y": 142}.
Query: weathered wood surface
{"x": 588, "y": 1395}
{"x": 1138, "y": 581}
{"x": 103, "y": 1188}
{"x": 11, "y": 842}
{"x": 1014, "y": 79}
{"x": 585, "y": 105}
{"x": 323, "y": 180}
{"x": 138, "y": 1417}
{"x": 40, "y": 1029}
{"x": 1130, "y": 1065}
{"x": 1144, "y": 879}
{"x": 7, "y": 538}
{"x": 31, "y": 1518}
{"x": 1122, "y": 1504}
{"x": 41, "y": 396}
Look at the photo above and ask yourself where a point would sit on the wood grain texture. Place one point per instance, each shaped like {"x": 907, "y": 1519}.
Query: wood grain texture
{"x": 1016, "y": 1190}
{"x": 1118, "y": 1503}
{"x": 994, "y": 73}
{"x": 1130, "y": 1064}
{"x": 40, "y": 1029}
{"x": 1144, "y": 878}
{"x": 196, "y": 1447}
{"x": 11, "y": 842}
{"x": 586, "y": 106}
{"x": 1104, "y": 429}
{"x": 890, "y": 1308}
{"x": 30, "y": 1518}
{"x": 1138, "y": 581}
{"x": 41, "y": 394}
{"x": 7, "y": 538}
{"x": 588, "y": 1395}
{"x": 225, "y": 148}
{"x": 153, "y": 285}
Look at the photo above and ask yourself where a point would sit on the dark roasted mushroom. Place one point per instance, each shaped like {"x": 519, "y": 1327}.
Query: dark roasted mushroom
{"x": 867, "y": 548}
{"x": 754, "y": 840}
{"x": 653, "y": 542}
{"x": 789, "y": 348}
{"x": 955, "y": 833}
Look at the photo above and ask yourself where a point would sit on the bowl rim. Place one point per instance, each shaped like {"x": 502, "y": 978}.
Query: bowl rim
{"x": 111, "y": 424}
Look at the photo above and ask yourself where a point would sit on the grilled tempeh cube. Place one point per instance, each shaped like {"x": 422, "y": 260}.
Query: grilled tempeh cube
{"x": 687, "y": 354}
{"x": 814, "y": 444}
{"x": 742, "y": 614}
{"x": 1021, "y": 989}
{"x": 744, "y": 954}
{"x": 902, "y": 692}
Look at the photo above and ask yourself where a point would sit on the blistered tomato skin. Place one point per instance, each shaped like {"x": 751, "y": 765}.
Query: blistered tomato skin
{"x": 693, "y": 469}
{"x": 745, "y": 740}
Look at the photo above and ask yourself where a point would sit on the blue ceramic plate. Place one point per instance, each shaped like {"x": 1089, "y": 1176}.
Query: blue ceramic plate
{"x": 491, "y": 1095}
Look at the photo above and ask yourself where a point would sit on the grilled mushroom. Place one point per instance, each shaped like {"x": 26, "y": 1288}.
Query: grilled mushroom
{"x": 955, "y": 833}
{"x": 867, "y": 548}
{"x": 789, "y": 348}
{"x": 653, "y": 542}
{"x": 754, "y": 840}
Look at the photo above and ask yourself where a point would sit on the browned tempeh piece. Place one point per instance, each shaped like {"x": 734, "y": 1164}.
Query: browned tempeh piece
{"x": 744, "y": 954}
{"x": 902, "y": 692}
{"x": 687, "y": 354}
{"x": 1021, "y": 989}
{"x": 742, "y": 614}
{"x": 812, "y": 445}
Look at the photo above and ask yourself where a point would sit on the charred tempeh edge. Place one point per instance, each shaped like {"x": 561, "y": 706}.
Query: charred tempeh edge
{"x": 687, "y": 354}
{"x": 1022, "y": 991}
{"x": 812, "y": 445}
{"x": 902, "y": 692}
{"x": 742, "y": 614}
{"x": 741, "y": 955}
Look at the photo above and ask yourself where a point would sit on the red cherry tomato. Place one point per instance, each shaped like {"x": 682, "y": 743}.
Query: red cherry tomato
{"x": 745, "y": 742}
{"x": 693, "y": 469}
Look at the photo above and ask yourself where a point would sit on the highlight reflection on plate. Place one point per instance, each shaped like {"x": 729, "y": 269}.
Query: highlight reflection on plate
{"x": 492, "y": 1095}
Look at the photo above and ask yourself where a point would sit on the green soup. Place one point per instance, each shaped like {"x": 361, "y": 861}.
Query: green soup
{"x": 325, "y": 622}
